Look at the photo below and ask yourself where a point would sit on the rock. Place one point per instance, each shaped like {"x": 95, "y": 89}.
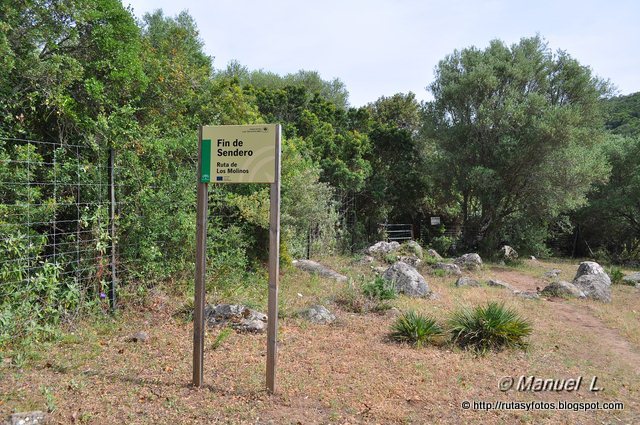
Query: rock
{"x": 413, "y": 247}
{"x": 319, "y": 314}
{"x": 552, "y": 274}
{"x": 393, "y": 312}
{"x": 589, "y": 267}
{"x": 527, "y": 295}
{"x": 410, "y": 260}
{"x": 632, "y": 279}
{"x": 500, "y": 284}
{"x": 239, "y": 317}
{"x": 448, "y": 268}
{"x": 407, "y": 280}
{"x": 28, "y": 418}
{"x": 139, "y": 337}
{"x": 469, "y": 262}
{"x": 319, "y": 269}
{"x": 562, "y": 289}
{"x": 380, "y": 270}
{"x": 592, "y": 280}
{"x": 508, "y": 254}
{"x": 433, "y": 253}
{"x": 367, "y": 259}
{"x": 467, "y": 281}
{"x": 383, "y": 248}
{"x": 595, "y": 286}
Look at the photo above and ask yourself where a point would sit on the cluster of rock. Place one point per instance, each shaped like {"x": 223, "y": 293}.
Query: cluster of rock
{"x": 468, "y": 281}
{"x": 238, "y": 317}
{"x": 591, "y": 281}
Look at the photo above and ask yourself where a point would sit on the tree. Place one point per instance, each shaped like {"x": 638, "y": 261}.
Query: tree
{"x": 66, "y": 64}
{"x": 518, "y": 130}
{"x": 611, "y": 220}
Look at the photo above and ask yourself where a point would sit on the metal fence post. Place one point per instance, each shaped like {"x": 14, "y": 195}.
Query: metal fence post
{"x": 112, "y": 222}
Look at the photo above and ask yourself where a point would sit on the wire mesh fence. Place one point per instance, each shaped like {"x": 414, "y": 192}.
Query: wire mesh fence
{"x": 54, "y": 218}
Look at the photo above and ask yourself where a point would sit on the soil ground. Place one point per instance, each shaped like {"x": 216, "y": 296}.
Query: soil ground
{"x": 346, "y": 373}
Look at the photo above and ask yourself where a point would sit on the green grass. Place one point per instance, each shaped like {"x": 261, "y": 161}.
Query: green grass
{"x": 490, "y": 327}
{"x": 221, "y": 338}
{"x": 380, "y": 289}
{"x": 415, "y": 328}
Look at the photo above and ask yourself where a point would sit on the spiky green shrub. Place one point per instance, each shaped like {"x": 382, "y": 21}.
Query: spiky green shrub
{"x": 415, "y": 328}
{"x": 490, "y": 327}
{"x": 617, "y": 276}
{"x": 380, "y": 289}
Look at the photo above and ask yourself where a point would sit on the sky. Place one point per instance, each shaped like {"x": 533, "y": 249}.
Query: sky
{"x": 382, "y": 47}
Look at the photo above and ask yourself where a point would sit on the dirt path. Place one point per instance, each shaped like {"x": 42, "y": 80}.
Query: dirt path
{"x": 579, "y": 317}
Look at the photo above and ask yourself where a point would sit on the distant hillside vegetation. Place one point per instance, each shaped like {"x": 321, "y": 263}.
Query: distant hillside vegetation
{"x": 623, "y": 114}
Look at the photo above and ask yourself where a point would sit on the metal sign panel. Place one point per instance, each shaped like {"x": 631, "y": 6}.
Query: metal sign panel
{"x": 238, "y": 153}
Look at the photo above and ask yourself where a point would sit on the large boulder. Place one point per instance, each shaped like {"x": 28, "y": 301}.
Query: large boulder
{"x": 563, "y": 289}
{"x": 383, "y": 248}
{"x": 467, "y": 281}
{"x": 469, "y": 262}
{"x": 319, "y": 314}
{"x": 433, "y": 253}
{"x": 448, "y": 268}
{"x": 319, "y": 269}
{"x": 632, "y": 279}
{"x": 407, "y": 280}
{"x": 592, "y": 280}
{"x": 239, "y": 317}
{"x": 508, "y": 254}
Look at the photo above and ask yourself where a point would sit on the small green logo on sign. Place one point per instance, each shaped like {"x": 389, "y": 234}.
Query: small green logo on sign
{"x": 205, "y": 161}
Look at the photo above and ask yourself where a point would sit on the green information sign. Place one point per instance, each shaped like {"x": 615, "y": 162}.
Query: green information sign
{"x": 238, "y": 153}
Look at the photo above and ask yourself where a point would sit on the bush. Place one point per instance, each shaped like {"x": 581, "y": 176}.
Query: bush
{"x": 490, "y": 327}
{"x": 416, "y": 329}
{"x": 616, "y": 276}
{"x": 441, "y": 244}
{"x": 380, "y": 289}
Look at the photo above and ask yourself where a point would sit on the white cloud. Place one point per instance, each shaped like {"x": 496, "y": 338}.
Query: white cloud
{"x": 381, "y": 47}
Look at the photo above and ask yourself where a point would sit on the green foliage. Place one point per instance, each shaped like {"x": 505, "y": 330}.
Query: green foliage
{"x": 616, "y": 276}
{"x": 610, "y": 220}
{"x": 380, "y": 289}
{"x": 416, "y": 329}
{"x": 308, "y": 205}
{"x": 623, "y": 115}
{"x": 441, "y": 244}
{"x": 439, "y": 272}
{"x": 509, "y": 123}
{"x": 490, "y": 327}
{"x": 222, "y": 336}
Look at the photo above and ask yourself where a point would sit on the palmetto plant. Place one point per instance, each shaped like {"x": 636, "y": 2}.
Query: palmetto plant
{"x": 490, "y": 327}
{"x": 415, "y": 328}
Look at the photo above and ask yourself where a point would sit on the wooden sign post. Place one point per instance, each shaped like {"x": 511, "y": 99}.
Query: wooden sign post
{"x": 238, "y": 154}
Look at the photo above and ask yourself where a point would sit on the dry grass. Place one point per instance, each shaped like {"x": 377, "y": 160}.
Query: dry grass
{"x": 347, "y": 372}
